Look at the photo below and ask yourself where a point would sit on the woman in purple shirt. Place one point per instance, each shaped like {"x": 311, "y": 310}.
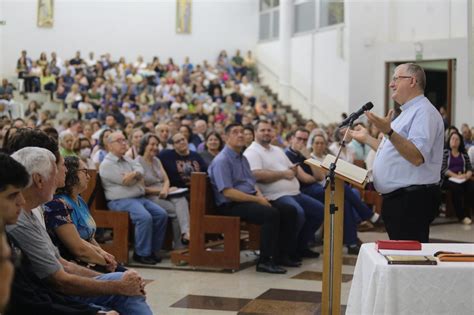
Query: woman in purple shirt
{"x": 456, "y": 174}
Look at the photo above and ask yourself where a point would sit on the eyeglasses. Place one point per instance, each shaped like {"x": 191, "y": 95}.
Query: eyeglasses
{"x": 395, "y": 78}
{"x": 85, "y": 170}
{"x": 301, "y": 139}
{"x": 120, "y": 141}
{"x": 179, "y": 140}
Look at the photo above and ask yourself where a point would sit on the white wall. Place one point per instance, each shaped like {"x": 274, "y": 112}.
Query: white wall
{"x": 348, "y": 69}
{"x": 128, "y": 28}
{"x": 319, "y": 72}
{"x": 2, "y": 10}
{"x": 393, "y": 40}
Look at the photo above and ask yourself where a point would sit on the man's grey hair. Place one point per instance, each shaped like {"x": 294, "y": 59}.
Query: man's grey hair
{"x": 112, "y": 136}
{"x": 65, "y": 134}
{"x": 419, "y": 74}
{"x": 36, "y": 160}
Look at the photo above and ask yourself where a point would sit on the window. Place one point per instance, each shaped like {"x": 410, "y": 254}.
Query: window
{"x": 331, "y": 12}
{"x": 269, "y": 19}
{"x": 310, "y": 15}
{"x": 305, "y": 13}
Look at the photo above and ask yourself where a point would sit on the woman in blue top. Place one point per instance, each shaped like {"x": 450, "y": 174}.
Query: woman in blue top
{"x": 70, "y": 224}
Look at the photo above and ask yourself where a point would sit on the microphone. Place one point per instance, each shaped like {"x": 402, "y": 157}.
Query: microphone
{"x": 356, "y": 114}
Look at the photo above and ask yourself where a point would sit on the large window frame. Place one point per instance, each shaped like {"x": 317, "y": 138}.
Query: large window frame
{"x": 269, "y": 15}
{"x": 316, "y": 24}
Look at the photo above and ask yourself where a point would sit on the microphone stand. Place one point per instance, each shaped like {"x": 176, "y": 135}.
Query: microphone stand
{"x": 331, "y": 180}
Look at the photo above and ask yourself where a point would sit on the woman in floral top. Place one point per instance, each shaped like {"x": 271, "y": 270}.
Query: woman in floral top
{"x": 69, "y": 223}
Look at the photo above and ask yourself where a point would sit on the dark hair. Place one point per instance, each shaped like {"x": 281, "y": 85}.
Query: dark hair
{"x": 462, "y": 148}
{"x": 301, "y": 129}
{"x": 6, "y": 138}
{"x": 218, "y": 136}
{"x": 231, "y": 126}
{"x": 12, "y": 173}
{"x": 77, "y": 144}
{"x": 263, "y": 121}
{"x": 26, "y": 137}
{"x": 101, "y": 138}
{"x": 72, "y": 166}
{"x": 144, "y": 142}
{"x": 190, "y": 131}
{"x": 52, "y": 132}
{"x": 250, "y": 128}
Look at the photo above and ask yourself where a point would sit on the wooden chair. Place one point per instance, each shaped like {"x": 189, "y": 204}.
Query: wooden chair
{"x": 205, "y": 222}
{"x": 117, "y": 221}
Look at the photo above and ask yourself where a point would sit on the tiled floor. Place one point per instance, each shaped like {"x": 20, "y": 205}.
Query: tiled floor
{"x": 175, "y": 291}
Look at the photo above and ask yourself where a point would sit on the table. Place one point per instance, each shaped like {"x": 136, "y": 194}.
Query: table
{"x": 379, "y": 288}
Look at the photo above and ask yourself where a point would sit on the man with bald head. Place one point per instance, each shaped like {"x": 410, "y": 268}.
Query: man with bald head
{"x": 124, "y": 188}
{"x": 407, "y": 166}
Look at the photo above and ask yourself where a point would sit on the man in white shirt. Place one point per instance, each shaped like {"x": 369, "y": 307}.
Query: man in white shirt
{"x": 407, "y": 165}
{"x": 277, "y": 179}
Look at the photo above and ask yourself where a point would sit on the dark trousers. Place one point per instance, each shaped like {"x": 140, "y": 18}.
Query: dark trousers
{"x": 278, "y": 234}
{"x": 462, "y": 192}
{"x": 408, "y": 213}
{"x": 350, "y": 225}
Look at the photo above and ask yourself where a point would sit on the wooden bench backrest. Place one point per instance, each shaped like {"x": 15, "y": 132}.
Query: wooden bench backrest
{"x": 201, "y": 195}
{"x": 99, "y": 202}
{"x": 87, "y": 194}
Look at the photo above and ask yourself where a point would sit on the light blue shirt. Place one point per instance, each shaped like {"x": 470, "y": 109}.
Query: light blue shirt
{"x": 420, "y": 123}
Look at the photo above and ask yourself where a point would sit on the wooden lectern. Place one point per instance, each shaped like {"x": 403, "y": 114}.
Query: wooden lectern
{"x": 332, "y": 263}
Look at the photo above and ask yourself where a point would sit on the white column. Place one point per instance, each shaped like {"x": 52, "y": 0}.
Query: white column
{"x": 286, "y": 29}
{"x": 470, "y": 40}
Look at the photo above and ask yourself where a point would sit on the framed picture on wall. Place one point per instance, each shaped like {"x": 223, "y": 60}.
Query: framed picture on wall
{"x": 45, "y": 13}
{"x": 183, "y": 16}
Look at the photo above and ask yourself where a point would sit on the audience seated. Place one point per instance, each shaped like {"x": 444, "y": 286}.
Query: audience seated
{"x": 157, "y": 189}
{"x": 180, "y": 162}
{"x": 277, "y": 179}
{"x": 237, "y": 194}
{"x": 120, "y": 291}
{"x": 122, "y": 179}
{"x": 213, "y": 144}
{"x": 134, "y": 139}
{"x": 456, "y": 174}
{"x": 69, "y": 223}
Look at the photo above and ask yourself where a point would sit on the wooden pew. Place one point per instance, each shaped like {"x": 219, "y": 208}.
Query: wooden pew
{"x": 205, "y": 222}
{"x": 117, "y": 221}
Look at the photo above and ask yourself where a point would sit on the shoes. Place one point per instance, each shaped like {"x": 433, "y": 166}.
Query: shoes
{"x": 365, "y": 226}
{"x": 146, "y": 260}
{"x": 288, "y": 262}
{"x": 353, "y": 249}
{"x": 307, "y": 253}
{"x": 156, "y": 258}
{"x": 466, "y": 221}
{"x": 270, "y": 267}
{"x": 185, "y": 239}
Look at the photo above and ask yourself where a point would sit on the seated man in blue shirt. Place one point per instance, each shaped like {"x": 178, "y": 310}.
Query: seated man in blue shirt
{"x": 236, "y": 194}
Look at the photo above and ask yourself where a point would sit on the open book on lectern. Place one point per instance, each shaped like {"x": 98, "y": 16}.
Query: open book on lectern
{"x": 343, "y": 168}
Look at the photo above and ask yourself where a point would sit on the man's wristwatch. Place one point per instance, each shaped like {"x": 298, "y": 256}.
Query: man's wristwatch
{"x": 389, "y": 134}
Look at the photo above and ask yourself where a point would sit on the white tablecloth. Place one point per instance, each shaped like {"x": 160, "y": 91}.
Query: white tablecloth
{"x": 379, "y": 288}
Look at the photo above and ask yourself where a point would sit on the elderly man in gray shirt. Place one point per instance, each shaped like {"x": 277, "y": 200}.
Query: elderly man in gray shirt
{"x": 124, "y": 188}
{"x": 123, "y": 292}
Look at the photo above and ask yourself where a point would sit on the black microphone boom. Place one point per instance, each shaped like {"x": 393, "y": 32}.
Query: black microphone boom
{"x": 356, "y": 115}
